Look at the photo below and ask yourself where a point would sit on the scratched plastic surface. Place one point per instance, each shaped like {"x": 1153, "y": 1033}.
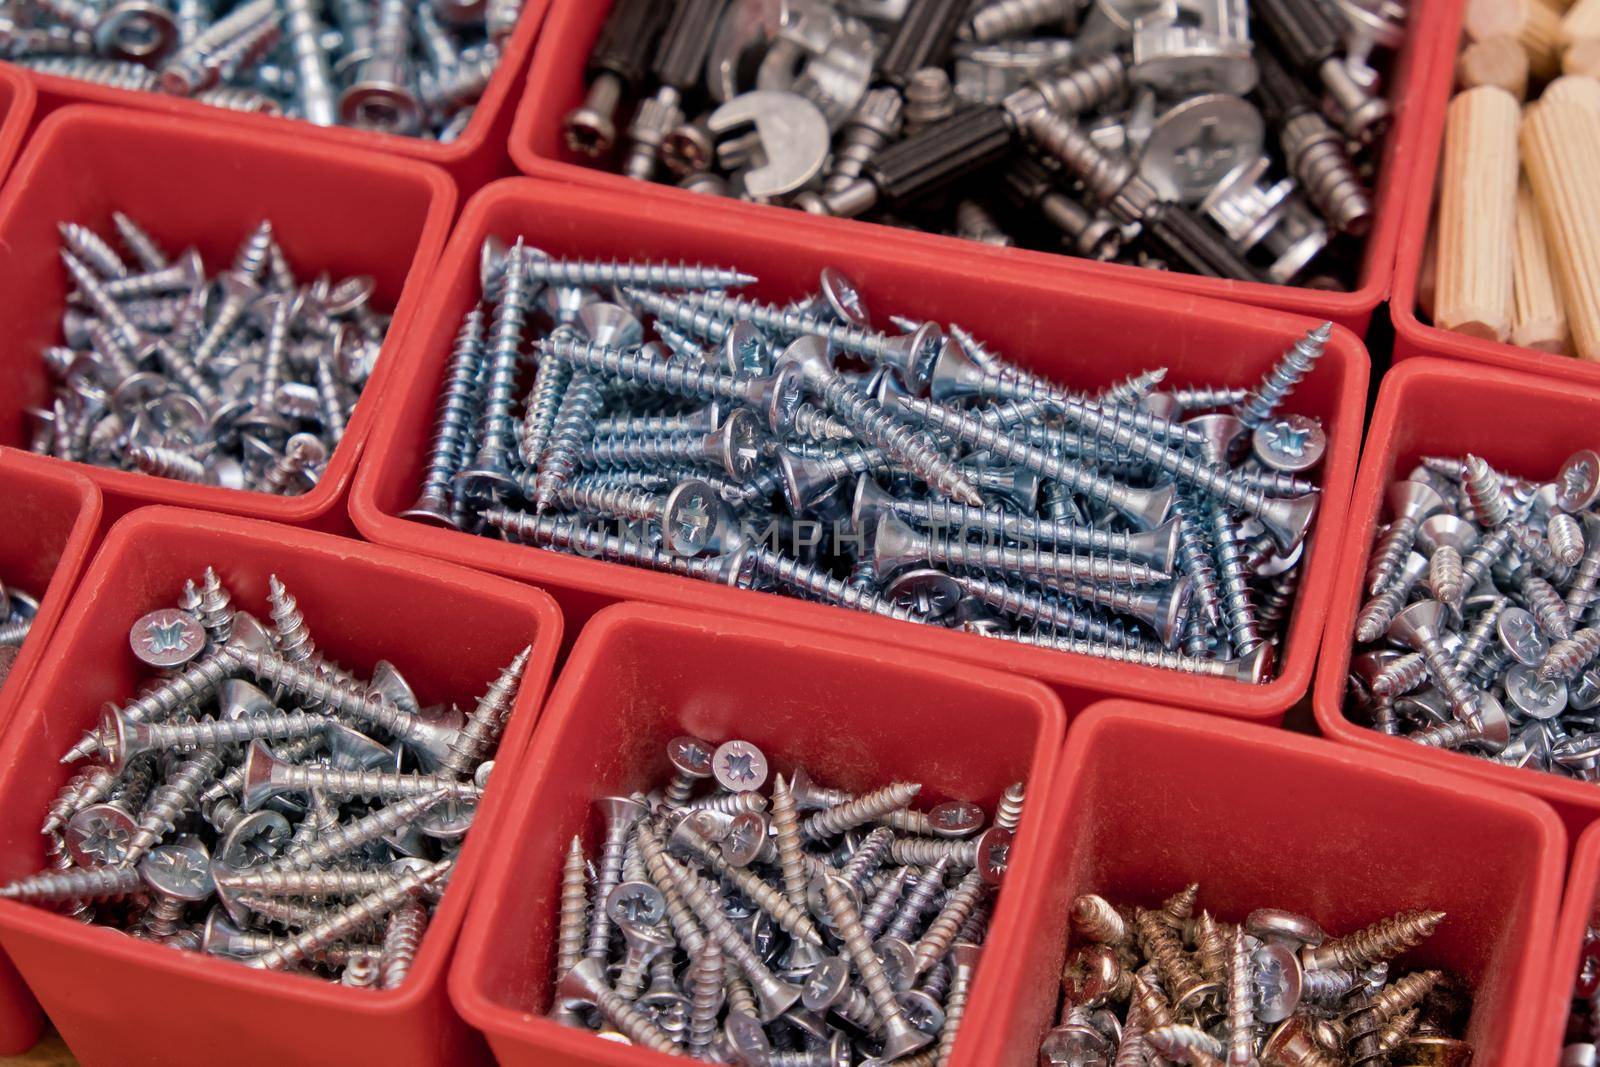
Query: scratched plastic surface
{"x": 555, "y": 85}
{"x": 117, "y": 1000}
{"x": 207, "y": 185}
{"x": 53, "y": 518}
{"x": 1084, "y": 336}
{"x": 476, "y": 157}
{"x": 1518, "y": 423}
{"x": 639, "y": 675}
{"x": 1150, "y": 799}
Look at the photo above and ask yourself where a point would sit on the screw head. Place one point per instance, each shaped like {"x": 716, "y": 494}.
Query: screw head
{"x": 745, "y": 352}
{"x": 1519, "y": 634}
{"x": 182, "y": 872}
{"x": 956, "y": 818}
{"x": 167, "y": 637}
{"x": 825, "y": 984}
{"x": 636, "y": 903}
{"x": 696, "y": 520}
{"x": 611, "y": 325}
{"x": 739, "y": 766}
{"x": 741, "y": 443}
{"x": 690, "y": 756}
{"x": 1532, "y": 697}
{"x": 746, "y": 836}
{"x": 927, "y": 591}
{"x": 1274, "y": 926}
{"x": 351, "y": 750}
{"x": 1291, "y": 443}
{"x": 1578, "y": 481}
{"x": 994, "y": 854}
{"x": 98, "y": 835}
{"x": 1276, "y": 978}
{"x": 257, "y": 839}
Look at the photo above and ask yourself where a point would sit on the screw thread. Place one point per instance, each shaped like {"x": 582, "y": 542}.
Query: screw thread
{"x": 1009, "y": 18}
{"x": 573, "y": 428}
{"x": 291, "y": 637}
{"x": 809, "y": 579}
{"x": 747, "y": 802}
{"x": 1327, "y": 987}
{"x": 612, "y": 854}
{"x": 1379, "y": 611}
{"x": 169, "y": 801}
{"x": 216, "y": 608}
{"x": 920, "y": 893}
{"x": 708, "y": 314}
{"x": 786, "y": 832}
{"x": 950, "y": 548}
{"x": 575, "y": 535}
{"x": 1103, "y": 173}
{"x": 85, "y": 883}
{"x": 112, "y": 74}
{"x": 572, "y": 925}
{"x": 847, "y": 924}
{"x": 186, "y": 372}
{"x": 122, "y": 329}
{"x": 639, "y": 367}
{"x": 1237, "y": 608}
{"x": 481, "y": 732}
{"x": 1381, "y": 941}
{"x": 1444, "y": 579}
{"x": 1143, "y": 655}
{"x": 1447, "y": 735}
{"x": 612, "y": 501}
{"x": 1179, "y": 976}
{"x": 679, "y": 915}
{"x": 500, "y": 387}
{"x": 644, "y": 450}
{"x": 329, "y": 882}
{"x": 873, "y": 425}
{"x": 341, "y": 924}
{"x": 401, "y": 939}
{"x": 344, "y": 839}
{"x": 371, "y": 784}
{"x": 452, "y": 427}
{"x": 937, "y": 938}
{"x": 1476, "y": 566}
{"x": 251, "y": 259}
{"x": 859, "y": 812}
{"x": 1485, "y": 493}
{"x": 92, "y": 249}
{"x": 1566, "y": 659}
{"x": 1584, "y": 580}
{"x": 1180, "y": 1040}
{"x": 330, "y": 401}
{"x": 170, "y": 463}
{"x": 705, "y": 998}
{"x": 885, "y": 902}
{"x": 1152, "y": 1006}
{"x": 606, "y": 274}
{"x": 1263, "y": 401}
{"x": 1316, "y": 156}
{"x": 460, "y": 84}
{"x": 216, "y": 733}
{"x": 550, "y": 380}
{"x": 1463, "y": 697}
{"x": 1548, "y": 607}
{"x": 1241, "y": 1003}
{"x": 1057, "y": 614}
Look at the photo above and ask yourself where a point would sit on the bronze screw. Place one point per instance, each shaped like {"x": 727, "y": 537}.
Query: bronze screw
{"x": 1381, "y": 941}
{"x": 1178, "y": 974}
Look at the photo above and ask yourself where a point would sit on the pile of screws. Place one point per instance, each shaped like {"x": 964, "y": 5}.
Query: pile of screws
{"x": 1480, "y": 634}
{"x": 322, "y": 853}
{"x": 245, "y": 383}
{"x": 1583, "y": 1027}
{"x": 17, "y": 610}
{"x": 940, "y": 485}
{"x": 1112, "y": 129}
{"x": 410, "y": 67}
{"x": 750, "y": 932}
{"x": 1274, "y": 991}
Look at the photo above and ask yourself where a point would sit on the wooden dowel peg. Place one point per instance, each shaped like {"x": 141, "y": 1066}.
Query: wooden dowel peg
{"x": 1536, "y": 27}
{"x": 1539, "y": 314}
{"x": 1498, "y": 61}
{"x": 1561, "y": 152}
{"x": 1477, "y": 214}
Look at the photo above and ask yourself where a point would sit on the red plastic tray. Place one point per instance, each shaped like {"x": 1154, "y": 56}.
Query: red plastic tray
{"x": 556, "y": 85}
{"x": 208, "y": 185}
{"x": 117, "y": 1000}
{"x": 1413, "y": 337}
{"x": 1579, "y": 911}
{"x": 640, "y": 675}
{"x": 476, "y": 157}
{"x": 1518, "y": 423}
{"x": 1151, "y": 799}
{"x": 1041, "y": 322}
{"x": 17, "y": 104}
{"x": 55, "y": 518}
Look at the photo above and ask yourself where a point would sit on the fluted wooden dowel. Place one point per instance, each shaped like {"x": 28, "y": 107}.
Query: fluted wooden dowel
{"x": 1477, "y": 214}
{"x": 1539, "y": 314}
{"x": 1561, "y": 152}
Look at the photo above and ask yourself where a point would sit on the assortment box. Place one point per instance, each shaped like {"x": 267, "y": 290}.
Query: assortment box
{"x": 118, "y": 1000}
{"x": 1150, "y": 799}
{"x": 207, "y": 185}
{"x": 18, "y": 102}
{"x": 1083, "y": 336}
{"x": 855, "y": 717}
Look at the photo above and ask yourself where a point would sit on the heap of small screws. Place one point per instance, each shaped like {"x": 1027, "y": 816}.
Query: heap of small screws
{"x": 244, "y": 382}
{"x": 1163, "y": 985}
{"x": 811, "y": 927}
{"x": 257, "y": 802}
{"x": 415, "y": 68}
{"x": 941, "y": 484}
{"x": 1480, "y": 634}
{"x": 1216, "y": 137}
{"x": 17, "y": 610}
{"x": 1583, "y": 1026}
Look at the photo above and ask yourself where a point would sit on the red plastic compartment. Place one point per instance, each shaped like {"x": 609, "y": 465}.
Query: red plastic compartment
{"x": 55, "y": 518}
{"x": 1085, "y": 336}
{"x": 640, "y": 675}
{"x": 556, "y": 85}
{"x": 1151, "y": 799}
{"x": 17, "y": 104}
{"x": 1518, "y": 423}
{"x": 1579, "y": 911}
{"x": 117, "y": 1000}
{"x": 476, "y": 157}
{"x": 208, "y": 185}
{"x": 1413, "y": 336}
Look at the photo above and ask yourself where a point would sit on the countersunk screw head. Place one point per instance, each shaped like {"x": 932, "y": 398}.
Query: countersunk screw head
{"x": 180, "y": 872}
{"x": 956, "y": 818}
{"x": 1291, "y": 443}
{"x": 98, "y": 835}
{"x": 994, "y": 854}
{"x": 739, "y": 766}
{"x": 638, "y": 903}
{"x": 697, "y": 520}
{"x": 930, "y": 592}
{"x": 256, "y": 839}
{"x": 690, "y": 757}
{"x": 167, "y": 637}
{"x": 1518, "y": 632}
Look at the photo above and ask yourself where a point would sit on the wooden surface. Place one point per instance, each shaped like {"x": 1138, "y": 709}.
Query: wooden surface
{"x": 1477, "y": 214}
{"x": 1561, "y": 152}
